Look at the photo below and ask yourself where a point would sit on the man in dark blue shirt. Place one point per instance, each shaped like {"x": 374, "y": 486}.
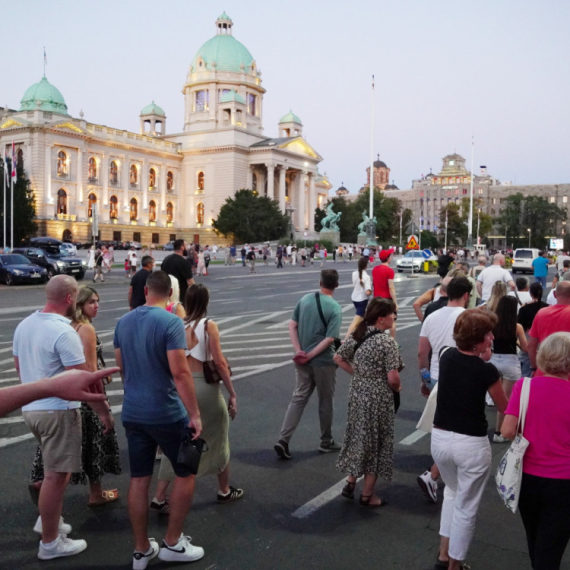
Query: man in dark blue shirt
{"x": 138, "y": 282}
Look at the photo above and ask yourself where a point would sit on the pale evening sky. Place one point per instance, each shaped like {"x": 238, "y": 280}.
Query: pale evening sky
{"x": 445, "y": 70}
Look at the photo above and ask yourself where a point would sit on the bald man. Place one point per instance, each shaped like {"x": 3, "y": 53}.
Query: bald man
{"x": 45, "y": 344}
{"x": 548, "y": 321}
{"x": 490, "y": 275}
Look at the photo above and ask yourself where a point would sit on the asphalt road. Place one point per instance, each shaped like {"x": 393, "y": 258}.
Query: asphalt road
{"x": 291, "y": 516}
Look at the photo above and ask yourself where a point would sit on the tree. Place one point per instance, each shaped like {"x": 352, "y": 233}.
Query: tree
{"x": 251, "y": 218}
{"x": 430, "y": 240}
{"x": 24, "y": 210}
{"x": 456, "y": 229}
{"x": 485, "y": 220}
{"x": 509, "y": 222}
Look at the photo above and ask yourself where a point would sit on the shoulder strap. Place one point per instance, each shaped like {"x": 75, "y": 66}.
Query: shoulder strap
{"x": 363, "y": 340}
{"x": 443, "y": 350}
{"x": 523, "y": 406}
{"x": 320, "y": 309}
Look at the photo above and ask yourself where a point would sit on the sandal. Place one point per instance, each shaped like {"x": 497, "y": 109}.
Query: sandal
{"x": 348, "y": 490}
{"x": 365, "y": 502}
{"x": 106, "y": 497}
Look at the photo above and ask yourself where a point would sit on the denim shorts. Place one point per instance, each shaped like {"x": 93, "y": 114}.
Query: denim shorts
{"x": 143, "y": 439}
{"x": 508, "y": 365}
{"x": 360, "y": 307}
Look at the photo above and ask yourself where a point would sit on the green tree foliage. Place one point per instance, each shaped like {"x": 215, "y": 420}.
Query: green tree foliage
{"x": 509, "y": 222}
{"x": 251, "y": 218}
{"x": 455, "y": 226}
{"x": 430, "y": 240}
{"x": 458, "y": 221}
{"x": 24, "y": 210}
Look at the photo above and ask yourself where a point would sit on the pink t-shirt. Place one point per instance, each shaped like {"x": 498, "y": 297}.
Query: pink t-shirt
{"x": 547, "y": 426}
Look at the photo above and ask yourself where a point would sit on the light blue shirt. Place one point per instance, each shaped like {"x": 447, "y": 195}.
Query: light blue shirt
{"x": 45, "y": 343}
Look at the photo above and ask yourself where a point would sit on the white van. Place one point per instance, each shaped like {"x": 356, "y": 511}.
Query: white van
{"x": 523, "y": 258}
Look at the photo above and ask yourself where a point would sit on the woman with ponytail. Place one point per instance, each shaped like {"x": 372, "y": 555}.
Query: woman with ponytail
{"x": 371, "y": 356}
{"x": 362, "y": 291}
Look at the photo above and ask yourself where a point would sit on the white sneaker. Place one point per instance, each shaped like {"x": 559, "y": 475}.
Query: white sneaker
{"x": 182, "y": 551}
{"x": 498, "y": 438}
{"x": 141, "y": 559}
{"x": 428, "y": 486}
{"x": 62, "y": 546}
{"x": 64, "y": 528}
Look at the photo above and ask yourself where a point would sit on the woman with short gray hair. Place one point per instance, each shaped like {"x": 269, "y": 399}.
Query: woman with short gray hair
{"x": 545, "y": 491}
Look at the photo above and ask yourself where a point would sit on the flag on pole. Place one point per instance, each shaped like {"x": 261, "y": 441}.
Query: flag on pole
{"x": 13, "y": 175}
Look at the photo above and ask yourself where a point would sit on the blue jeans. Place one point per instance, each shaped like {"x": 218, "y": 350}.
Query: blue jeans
{"x": 541, "y": 280}
{"x": 525, "y": 363}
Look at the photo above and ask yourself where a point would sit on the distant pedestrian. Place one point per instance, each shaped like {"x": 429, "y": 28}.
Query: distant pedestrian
{"x": 98, "y": 269}
{"x": 251, "y": 260}
{"x": 540, "y": 267}
{"x": 279, "y": 257}
{"x": 243, "y": 253}
{"x": 138, "y": 282}
{"x": 127, "y": 266}
{"x": 133, "y": 260}
{"x": 313, "y": 329}
{"x": 490, "y": 275}
{"x": 233, "y": 253}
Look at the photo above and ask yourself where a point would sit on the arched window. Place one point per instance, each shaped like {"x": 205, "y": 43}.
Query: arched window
{"x": 113, "y": 207}
{"x": 169, "y": 213}
{"x": 200, "y": 213}
{"x": 92, "y": 171}
{"x": 20, "y": 158}
{"x": 200, "y": 180}
{"x": 61, "y": 163}
{"x": 170, "y": 181}
{"x": 134, "y": 175}
{"x": 152, "y": 178}
{"x": 134, "y": 209}
{"x": 254, "y": 182}
{"x": 152, "y": 211}
{"x": 92, "y": 199}
{"x": 61, "y": 201}
{"x": 113, "y": 173}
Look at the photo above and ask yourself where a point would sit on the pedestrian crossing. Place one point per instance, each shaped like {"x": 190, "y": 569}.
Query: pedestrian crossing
{"x": 254, "y": 343}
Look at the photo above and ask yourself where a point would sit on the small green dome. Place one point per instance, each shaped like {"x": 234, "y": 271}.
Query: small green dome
{"x": 224, "y": 18}
{"x": 227, "y": 53}
{"x": 48, "y": 97}
{"x": 232, "y": 96}
{"x": 290, "y": 117}
{"x": 153, "y": 109}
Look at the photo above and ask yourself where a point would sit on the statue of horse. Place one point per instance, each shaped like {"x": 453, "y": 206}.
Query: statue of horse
{"x": 329, "y": 222}
{"x": 362, "y": 225}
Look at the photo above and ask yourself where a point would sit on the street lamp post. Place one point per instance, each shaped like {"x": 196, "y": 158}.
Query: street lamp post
{"x": 529, "y": 234}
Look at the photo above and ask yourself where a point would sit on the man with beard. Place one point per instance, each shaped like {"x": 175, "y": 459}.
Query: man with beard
{"x": 46, "y": 344}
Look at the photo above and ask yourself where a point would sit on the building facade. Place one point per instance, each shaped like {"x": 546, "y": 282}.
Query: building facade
{"x": 155, "y": 186}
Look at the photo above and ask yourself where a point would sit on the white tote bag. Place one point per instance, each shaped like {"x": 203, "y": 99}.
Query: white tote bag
{"x": 426, "y": 421}
{"x": 510, "y": 470}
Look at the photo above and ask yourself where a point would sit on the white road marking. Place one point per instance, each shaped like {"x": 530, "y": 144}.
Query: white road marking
{"x": 262, "y": 369}
{"x": 8, "y": 380}
{"x": 260, "y": 347}
{"x": 257, "y": 356}
{"x": 249, "y": 323}
{"x": 266, "y": 338}
{"x": 6, "y": 441}
{"x": 413, "y": 437}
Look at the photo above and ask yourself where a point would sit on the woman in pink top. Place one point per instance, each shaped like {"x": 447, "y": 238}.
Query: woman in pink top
{"x": 545, "y": 492}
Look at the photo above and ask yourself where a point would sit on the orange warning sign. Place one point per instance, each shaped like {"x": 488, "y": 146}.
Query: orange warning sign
{"x": 413, "y": 243}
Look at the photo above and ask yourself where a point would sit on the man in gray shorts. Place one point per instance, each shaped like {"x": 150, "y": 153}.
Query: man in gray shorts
{"x": 45, "y": 344}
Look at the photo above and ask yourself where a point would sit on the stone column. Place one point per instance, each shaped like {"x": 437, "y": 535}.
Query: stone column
{"x": 162, "y": 185}
{"x": 282, "y": 174}
{"x": 249, "y": 180}
{"x": 144, "y": 185}
{"x": 48, "y": 196}
{"x": 270, "y": 181}
{"x": 79, "y": 187}
{"x": 301, "y": 197}
{"x": 105, "y": 175}
{"x": 312, "y": 202}
{"x": 125, "y": 178}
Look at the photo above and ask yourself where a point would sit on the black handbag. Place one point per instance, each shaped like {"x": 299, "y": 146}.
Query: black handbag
{"x": 336, "y": 342}
{"x": 190, "y": 450}
{"x": 211, "y": 374}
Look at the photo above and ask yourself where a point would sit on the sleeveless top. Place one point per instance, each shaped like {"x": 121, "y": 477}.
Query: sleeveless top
{"x": 199, "y": 351}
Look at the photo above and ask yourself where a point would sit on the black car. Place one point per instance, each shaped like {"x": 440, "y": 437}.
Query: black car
{"x": 53, "y": 259}
{"x": 15, "y": 268}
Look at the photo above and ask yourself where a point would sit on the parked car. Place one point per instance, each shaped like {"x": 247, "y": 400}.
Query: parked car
{"x": 136, "y": 245}
{"x": 71, "y": 249}
{"x": 413, "y": 260}
{"x": 168, "y": 246}
{"x": 523, "y": 258}
{"x": 53, "y": 258}
{"x": 15, "y": 268}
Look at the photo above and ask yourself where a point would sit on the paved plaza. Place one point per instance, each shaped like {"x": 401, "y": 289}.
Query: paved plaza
{"x": 292, "y": 515}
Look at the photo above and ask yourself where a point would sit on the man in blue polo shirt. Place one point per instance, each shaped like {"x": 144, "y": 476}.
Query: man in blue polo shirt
{"x": 159, "y": 393}
{"x": 540, "y": 266}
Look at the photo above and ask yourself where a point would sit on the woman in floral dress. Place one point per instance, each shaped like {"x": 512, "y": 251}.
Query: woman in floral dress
{"x": 100, "y": 453}
{"x": 371, "y": 356}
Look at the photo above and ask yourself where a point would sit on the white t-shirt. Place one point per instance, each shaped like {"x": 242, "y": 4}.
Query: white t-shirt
{"x": 45, "y": 343}
{"x": 438, "y": 329}
{"x": 489, "y": 276}
{"x": 359, "y": 292}
{"x": 551, "y": 299}
{"x": 524, "y": 296}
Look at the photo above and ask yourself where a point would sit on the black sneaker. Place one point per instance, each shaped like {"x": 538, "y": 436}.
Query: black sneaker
{"x": 282, "y": 449}
{"x": 233, "y": 495}
{"x": 332, "y": 446}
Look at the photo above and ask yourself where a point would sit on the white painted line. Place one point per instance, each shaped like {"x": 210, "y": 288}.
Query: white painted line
{"x": 12, "y": 420}
{"x": 262, "y": 369}
{"x": 20, "y": 309}
{"x": 321, "y": 500}
{"x": 7, "y": 360}
{"x": 6, "y": 441}
{"x": 257, "y": 356}
{"x": 413, "y": 437}
{"x": 9, "y": 370}
{"x": 249, "y": 323}
{"x": 405, "y": 302}
{"x": 266, "y": 338}
{"x": 7, "y": 349}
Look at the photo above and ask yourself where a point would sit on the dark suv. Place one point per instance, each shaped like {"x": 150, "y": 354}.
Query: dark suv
{"x": 46, "y": 252}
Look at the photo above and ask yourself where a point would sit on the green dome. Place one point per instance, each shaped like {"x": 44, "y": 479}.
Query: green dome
{"x": 227, "y": 52}
{"x": 153, "y": 109}
{"x": 48, "y": 97}
{"x": 232, "y": 96}
{"x": 290, "y": 117}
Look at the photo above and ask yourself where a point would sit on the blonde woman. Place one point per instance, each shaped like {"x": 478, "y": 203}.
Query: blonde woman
{"x": 174, "y": 306}
{"x": 497, "y": 293}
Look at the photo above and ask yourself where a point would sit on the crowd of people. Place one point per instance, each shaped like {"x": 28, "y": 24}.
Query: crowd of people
{"x": 481, "y": 333}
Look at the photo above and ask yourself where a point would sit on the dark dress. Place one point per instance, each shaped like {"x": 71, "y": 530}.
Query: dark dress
{"x": 369, "y": 440}
{"x": 99, "y": 454}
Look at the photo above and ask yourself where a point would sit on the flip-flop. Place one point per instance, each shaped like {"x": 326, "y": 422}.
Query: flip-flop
{"x": 107, "y": 496}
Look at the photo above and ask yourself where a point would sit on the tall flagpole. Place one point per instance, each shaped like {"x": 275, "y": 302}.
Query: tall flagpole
{"x": 4, "y": 190}
{"x": 371, "y": 229}
{"x": 470, "y": 227}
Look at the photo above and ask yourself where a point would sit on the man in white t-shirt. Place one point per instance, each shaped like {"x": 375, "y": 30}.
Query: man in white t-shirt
{"x": 522, "y": 292}
{"x": 436, "y": 334}
{"x": 45, "y": 344}
{"x": 489, "y": 276}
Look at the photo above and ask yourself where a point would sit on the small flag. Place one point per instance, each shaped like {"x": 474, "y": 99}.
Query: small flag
{"x": 45, "y": 56}
{"x": 14, "y": 174}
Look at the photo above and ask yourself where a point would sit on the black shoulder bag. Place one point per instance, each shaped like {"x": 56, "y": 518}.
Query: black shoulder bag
{"x": 337, "y": 343}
